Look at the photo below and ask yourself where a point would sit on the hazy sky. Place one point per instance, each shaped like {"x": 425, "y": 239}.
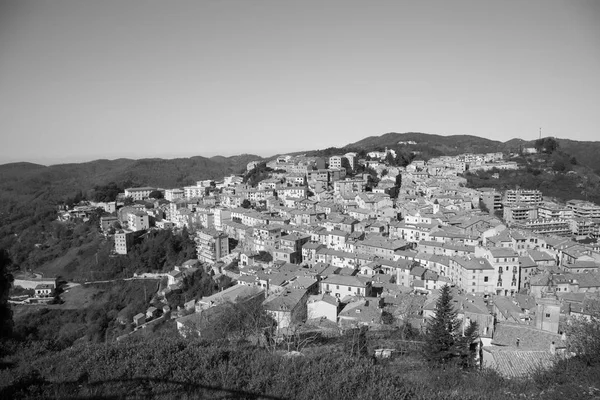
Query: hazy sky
{"x": 83, "y": 79}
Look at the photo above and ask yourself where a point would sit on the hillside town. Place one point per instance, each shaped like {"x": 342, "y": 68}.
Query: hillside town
{"x": 330, "y": 243}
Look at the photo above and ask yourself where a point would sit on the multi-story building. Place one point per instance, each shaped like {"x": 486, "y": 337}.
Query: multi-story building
{"x": 336, "y": 161}
{"x": 582, "y": 226}
{"x": 139, "y": 193}
{"x": 505, "y": 262}
{"x": 190, "y": 192}
{"x": 530, "y": 197}
{"x": 211, "y": 245}
{"x": 473, "y": 275}
{"x": 173, "y": 194}
{"x": 519, "y": 212}
{"x": 349, "y": 186}
{"x": 554, "y": 226}
{"x": 138, "y": 221}
{"x": 584, "y": 209}
{"x": 124, "y": 240}
{"x": 549, "y": 210}
{"x": 491, "y": 198}
{"x": 341, "y": 286}
{"x": 352, "y": 160}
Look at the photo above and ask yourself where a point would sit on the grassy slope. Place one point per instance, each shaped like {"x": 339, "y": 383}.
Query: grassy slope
{"x": 171, "y": 367}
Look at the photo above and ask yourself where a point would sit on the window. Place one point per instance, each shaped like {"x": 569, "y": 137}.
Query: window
{"x": 349, "y": 289}
{"x": 473, "y": 284}
{"x": 485, "y": 278}
{"x": 547, "y": 315}
{"x": 337, "y": 286}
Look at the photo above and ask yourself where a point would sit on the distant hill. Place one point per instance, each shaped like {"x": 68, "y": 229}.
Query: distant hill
{"x": 26, "y": 179}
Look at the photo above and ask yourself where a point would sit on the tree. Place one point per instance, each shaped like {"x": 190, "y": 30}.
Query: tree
{"x": 6, "y": 320}
{"x": 546, "y": 145}
{"x": 156, "y": 194}
{"x": 390, "y": 159}
{"x": 583, "y": 336}
{"x": 399, "y": 180}
{"x": 444, "y": 342}
{"x": 246, "y": 203}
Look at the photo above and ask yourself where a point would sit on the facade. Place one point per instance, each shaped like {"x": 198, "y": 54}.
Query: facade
{"x": 139, "y": 193}
{"x": 211, "y": 245}
{"x": 584, "y": 209}
{"x": 341, "y": 286}
{"x": 173, "y": 194}
{"x": 519, "y": 213}
{"x": 138, "y": 221}
{"x": 530, "y": 197}
{"x": 124, "y": 240}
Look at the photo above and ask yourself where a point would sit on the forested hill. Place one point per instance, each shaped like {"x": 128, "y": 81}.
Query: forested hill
{"x": 27, "y": 181}
{"x": 448, "y": 145}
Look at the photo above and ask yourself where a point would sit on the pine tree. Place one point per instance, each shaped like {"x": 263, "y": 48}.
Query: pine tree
{"x": 445, "y": 341}
{"x": 442, "y": 330}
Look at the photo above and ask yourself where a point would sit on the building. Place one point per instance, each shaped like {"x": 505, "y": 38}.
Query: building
{"x": 341, "y": 286}
{"x": 336, "y": 161}
{"x": 491, "y": 198}
{"x": 173, "y": 194}
{"x": 124, "y": 240}
{"x": 138, "y": 221}
{"x": 139, "y": 193}
{"x": 349, "y": 186}
{"x": 107, "y": 222}
{"x": 549, "y": 210}
{"x": 554, "y": 226}
{"x": 530, "y": 197}
{"x": 519, "y": 212}
{"x": 211, "y": 245}
{"x": 584, "y": 209}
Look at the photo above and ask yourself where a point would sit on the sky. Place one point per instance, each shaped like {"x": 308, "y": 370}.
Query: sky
{"x": 82, "y": 80}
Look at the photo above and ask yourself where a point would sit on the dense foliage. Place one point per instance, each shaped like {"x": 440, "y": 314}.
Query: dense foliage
{"x": 6, "y": 321}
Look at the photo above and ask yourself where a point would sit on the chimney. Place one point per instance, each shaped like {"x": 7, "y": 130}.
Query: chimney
{"x": 519, "y": 340}
{"x": 552, "y": 348}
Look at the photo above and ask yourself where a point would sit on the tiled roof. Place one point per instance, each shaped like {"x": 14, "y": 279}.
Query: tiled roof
{"x": 519, "y": 363}
{"x": 530, "y": 338}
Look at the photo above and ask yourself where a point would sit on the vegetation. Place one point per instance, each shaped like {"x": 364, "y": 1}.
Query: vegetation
{"x": 257, "y": 174}
{"x": 544, "y": 177}
{"x": 584, "y": 337}
{"x": 196, "y": 286}
{"x": 6, "y": 321}
{"x": 157, "y": 251}
{"x": 108, "y": 315}
{"x": 167, "y": 367}
{"x": 444, "y": 343}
